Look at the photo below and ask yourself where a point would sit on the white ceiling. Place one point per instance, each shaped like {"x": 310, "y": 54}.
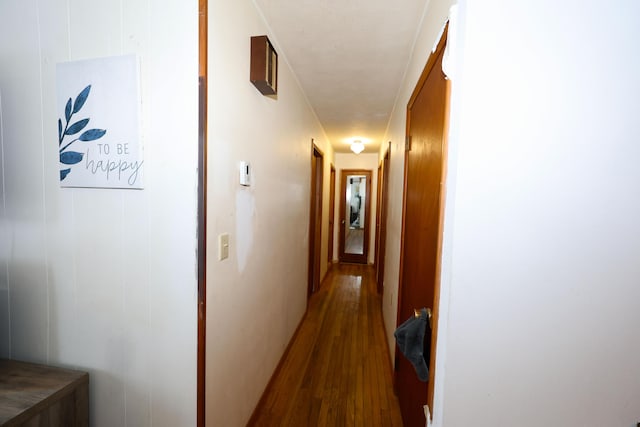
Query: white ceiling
{"x": 349, "y": 56}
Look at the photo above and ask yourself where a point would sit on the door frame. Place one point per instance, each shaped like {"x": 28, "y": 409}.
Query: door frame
{"x": 315, "y": 218}
{"x": 342, "y": 256}
{"x": 202, "y": 212}
{"x": 433, "y": 58}
{"x": 381, "y": 215}
{"x": 332, "y": 213}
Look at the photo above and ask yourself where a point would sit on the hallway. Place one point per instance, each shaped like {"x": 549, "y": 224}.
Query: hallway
{"x": 336, "y": 371}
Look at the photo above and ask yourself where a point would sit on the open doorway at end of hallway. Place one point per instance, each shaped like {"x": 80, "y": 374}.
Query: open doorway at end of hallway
{"x": 355, "y": 215}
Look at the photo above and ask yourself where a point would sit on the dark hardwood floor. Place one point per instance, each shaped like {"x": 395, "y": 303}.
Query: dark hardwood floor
{"x": 337, "y": 370}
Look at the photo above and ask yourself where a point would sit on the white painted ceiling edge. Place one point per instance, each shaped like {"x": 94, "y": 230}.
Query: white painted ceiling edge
{"x": 349, "y": 59}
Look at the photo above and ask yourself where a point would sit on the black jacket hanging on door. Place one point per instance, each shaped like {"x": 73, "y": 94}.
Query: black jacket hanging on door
{"x": 410, "y": 339}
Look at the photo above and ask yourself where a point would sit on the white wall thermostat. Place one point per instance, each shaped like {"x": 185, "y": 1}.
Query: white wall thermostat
{"x": 245, "y": 173}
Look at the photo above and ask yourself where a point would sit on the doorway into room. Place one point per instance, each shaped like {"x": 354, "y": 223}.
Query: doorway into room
{"x": 381, "y": 218}
{"x": 315, "y": 220}
{"x": 332, "y": 210}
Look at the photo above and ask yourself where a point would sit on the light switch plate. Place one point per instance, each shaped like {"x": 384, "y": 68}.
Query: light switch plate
{"x": 223, "y": 246}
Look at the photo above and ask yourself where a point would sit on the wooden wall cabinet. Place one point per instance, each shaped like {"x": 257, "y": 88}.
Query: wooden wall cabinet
{"x": 264, "y": 65}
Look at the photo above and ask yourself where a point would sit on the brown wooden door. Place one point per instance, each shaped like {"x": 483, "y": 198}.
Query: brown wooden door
{"x": 420, "y": 258}
{"x": 355, "y": 215}
{"x": 315, "y": 220}
{"x": 332, "y": 213}
{"x": 381, "y": 228}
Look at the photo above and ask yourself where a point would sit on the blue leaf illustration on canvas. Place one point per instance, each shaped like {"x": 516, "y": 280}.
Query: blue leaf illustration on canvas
{"x": 71, "y": 108}
{"x": 81, "y": 98}
{"x": 71, "y": 157}
{"x": 92, "y": 134}
{"x": 67, "y": 110}
{"x": 77, "y": 127}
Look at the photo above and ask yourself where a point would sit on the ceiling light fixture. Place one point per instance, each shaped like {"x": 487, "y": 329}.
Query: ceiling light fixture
{"x": 357, "y": 146}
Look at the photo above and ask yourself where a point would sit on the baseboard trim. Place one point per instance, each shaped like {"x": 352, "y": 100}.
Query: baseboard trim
{"x": 276, "y": 372}
{"x": 390, "y": 363}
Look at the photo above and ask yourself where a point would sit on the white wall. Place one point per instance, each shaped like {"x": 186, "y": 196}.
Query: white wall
{"x": 365, "y": 161}
{"x": 545, "y": 237}
{"x": 257, "y": 297}
{"x": 102, "y": 280}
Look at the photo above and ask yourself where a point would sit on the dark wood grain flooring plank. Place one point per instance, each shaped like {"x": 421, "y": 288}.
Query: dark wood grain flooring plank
{"x": 337, "y": 371}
